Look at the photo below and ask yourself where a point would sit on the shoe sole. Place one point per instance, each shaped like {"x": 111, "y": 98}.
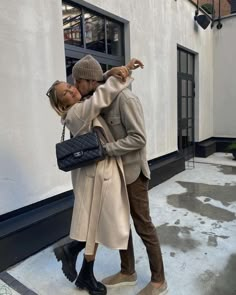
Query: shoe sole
{"x": 164, "y": 292}
{"x": 83, "y": 286}
{"x": 60, "y": 255}
{"x": 121, "y": 284}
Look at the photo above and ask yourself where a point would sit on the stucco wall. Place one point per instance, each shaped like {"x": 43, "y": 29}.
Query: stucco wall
{"x": 224, "y": 79}
{"x": 31, "y": 58}
{"x": 156, "y": 27}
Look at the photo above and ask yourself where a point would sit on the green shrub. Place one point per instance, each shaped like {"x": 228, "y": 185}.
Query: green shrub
{"x": 207, "y": 7}
{"x": 231, "y": 147}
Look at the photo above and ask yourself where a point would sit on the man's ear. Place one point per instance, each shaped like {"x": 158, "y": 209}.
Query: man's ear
{"x": 93, "y": 84}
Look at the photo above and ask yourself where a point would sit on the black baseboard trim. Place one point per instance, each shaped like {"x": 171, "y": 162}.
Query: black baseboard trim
{"x": 166, "y": 167}
{"x": 28, "y": 230}
{"x": 212, "y": 145}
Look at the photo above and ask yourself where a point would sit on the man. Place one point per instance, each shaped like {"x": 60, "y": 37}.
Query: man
{"x": 126, "y": 122}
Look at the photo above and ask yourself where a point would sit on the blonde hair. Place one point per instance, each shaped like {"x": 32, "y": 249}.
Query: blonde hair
{"x": 54, "y": 101}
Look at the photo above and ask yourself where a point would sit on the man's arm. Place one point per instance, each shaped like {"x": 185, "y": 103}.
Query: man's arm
{"x": 133, "y": 120}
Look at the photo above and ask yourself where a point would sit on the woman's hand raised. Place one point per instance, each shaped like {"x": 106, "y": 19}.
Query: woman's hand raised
{"x": 123, "y": 72}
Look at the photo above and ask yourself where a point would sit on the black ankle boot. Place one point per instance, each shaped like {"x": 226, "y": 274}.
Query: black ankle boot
{"x": 86, "y": 280}
{"x": 67, "y": 254}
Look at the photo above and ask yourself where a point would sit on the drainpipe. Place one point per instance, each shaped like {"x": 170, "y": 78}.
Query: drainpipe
{"x": 219, "y": 25}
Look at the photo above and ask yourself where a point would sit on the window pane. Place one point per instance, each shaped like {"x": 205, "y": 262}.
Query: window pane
{"x": 183, "y": 62}
{"x": 94, "y": 32}
{"x": 190, "y": 135}
{"x": 69, "y": 65}
{"x": 178, "y": 60}
{"x": 184, "y": 108}
{"x": 190, "y": 106}
{"x": 190, "y": 64}
{"x": 114, "y": 38}
{"x": 184, "y": 88}
{"x": 190, "y": 88}
{"x": 104, "y": 67}
{"x": 72, "y": 24}
{"x": 190, "y": 122}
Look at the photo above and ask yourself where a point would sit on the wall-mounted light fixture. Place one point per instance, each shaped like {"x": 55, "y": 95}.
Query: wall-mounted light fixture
{"x": 203, "y": 20}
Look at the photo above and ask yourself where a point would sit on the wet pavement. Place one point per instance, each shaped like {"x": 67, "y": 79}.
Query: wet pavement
{"x": 195, "y": 216}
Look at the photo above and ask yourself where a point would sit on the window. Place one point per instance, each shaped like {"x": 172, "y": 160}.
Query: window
{"x": 89, "y": 32}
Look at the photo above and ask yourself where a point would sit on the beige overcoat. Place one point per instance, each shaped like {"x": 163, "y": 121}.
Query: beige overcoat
{"x": 101, "y": 211}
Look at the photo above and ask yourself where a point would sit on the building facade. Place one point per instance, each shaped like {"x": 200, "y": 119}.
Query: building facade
{"x": 187, "y": 91}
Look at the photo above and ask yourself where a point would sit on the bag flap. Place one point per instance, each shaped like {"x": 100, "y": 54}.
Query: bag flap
{"x": 79, "y": 143}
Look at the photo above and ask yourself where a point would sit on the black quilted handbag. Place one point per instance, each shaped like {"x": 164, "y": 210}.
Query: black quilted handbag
{"x": 79, "y": 151}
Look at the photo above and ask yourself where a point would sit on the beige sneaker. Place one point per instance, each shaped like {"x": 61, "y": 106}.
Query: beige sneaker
{"x": 119, "y": 279}
{"x": 150, "y": 290}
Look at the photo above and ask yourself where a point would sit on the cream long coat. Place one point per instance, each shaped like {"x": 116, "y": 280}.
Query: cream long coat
{"x": 101, "y": 208}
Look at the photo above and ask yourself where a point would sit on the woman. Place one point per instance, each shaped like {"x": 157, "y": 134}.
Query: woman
{"x": 101, "y": 208}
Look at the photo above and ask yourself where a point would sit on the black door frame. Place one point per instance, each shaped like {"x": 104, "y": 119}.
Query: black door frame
{"x": 186, "y": 102}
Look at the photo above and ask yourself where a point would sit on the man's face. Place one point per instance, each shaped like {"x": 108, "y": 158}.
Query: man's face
{"x": 84, "y": 86}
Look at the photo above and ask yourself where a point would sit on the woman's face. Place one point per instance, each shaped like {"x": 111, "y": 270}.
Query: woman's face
{"x": 67, "y": 94}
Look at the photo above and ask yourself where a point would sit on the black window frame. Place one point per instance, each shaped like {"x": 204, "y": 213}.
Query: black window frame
{"x": 76, "y": 52}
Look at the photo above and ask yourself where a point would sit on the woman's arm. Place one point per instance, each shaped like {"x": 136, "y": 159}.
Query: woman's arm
{"x": 123, "y": 72}
{"x": 104, "y": 95}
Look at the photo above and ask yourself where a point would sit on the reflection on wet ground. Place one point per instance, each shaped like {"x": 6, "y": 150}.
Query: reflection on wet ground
{"x": 220, "y": 283}
{"x": 177, "y": 237}
{"x": 189, "y": 200}
{"x": 194, "y": 215}
{"x": 227, "y": 170}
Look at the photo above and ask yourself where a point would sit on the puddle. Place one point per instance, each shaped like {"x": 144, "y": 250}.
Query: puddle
{"x": 227, "y": 170}
{"x": 220, "y": 283}
{"x": 177, "y": 237}
{"x": 188, "y": 200}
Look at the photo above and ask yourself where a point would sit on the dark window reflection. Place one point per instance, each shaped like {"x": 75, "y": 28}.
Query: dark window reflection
{"x": 183, "y": 60}
{"x": 114, "y": 38}
{"x": 86, "y": 29}
{"x": 72, "y": 24}
{"x": 94, "y": 32}
{"x": 104, "y": 67}
{"x": 69, "y": 65}
{"x": 190, "y": 64}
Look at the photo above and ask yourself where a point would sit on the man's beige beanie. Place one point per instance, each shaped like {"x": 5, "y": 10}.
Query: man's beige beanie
{"x": 87, "y": 68}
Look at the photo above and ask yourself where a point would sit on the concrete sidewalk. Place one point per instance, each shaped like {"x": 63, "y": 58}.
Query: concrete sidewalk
{"x": 194, "y": 213}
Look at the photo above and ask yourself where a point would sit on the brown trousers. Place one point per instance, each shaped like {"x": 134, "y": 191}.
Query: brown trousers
{"x": 139, "y": 209}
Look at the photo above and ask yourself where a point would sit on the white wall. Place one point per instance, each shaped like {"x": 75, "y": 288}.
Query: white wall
{"x": 156, "y": 27}
{"x": 31, "y": 58}
{"x": 224, "y": 79}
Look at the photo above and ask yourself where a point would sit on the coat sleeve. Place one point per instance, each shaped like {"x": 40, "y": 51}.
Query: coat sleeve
{"x": 133, "y": 120}
{"x": 104, "y": 95}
